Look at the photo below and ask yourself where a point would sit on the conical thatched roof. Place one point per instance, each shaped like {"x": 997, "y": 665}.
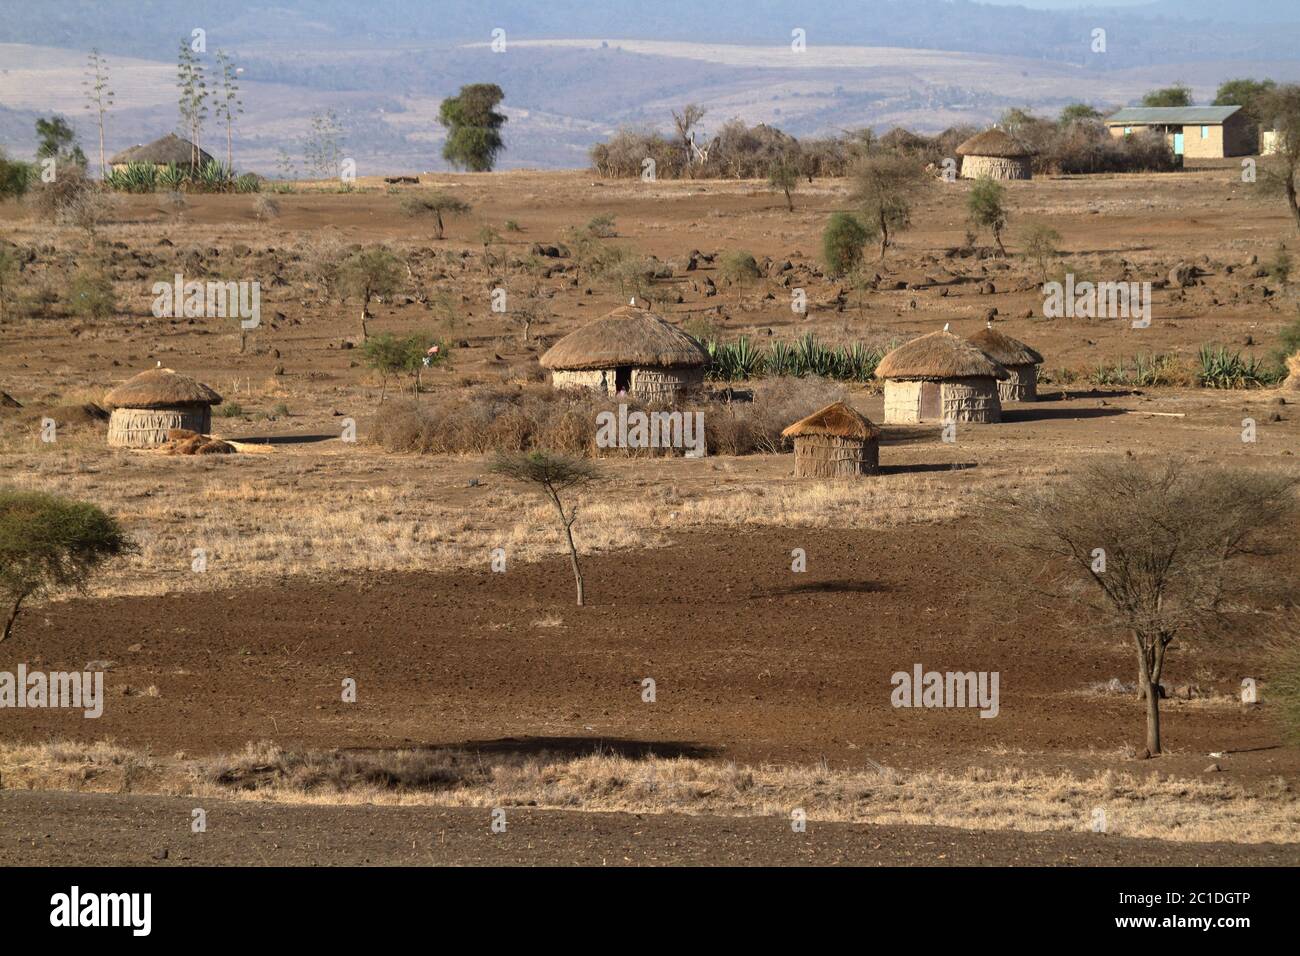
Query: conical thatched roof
{"x": 994, "y": 142}
{"x": 836, "y": 420}
{"x": 938, "y": 355}
{"x": 160, "y": 388}
{"x": 1003, "y": 349}
{"x": 627, "y": 336}
{"x": 170, "y": 149}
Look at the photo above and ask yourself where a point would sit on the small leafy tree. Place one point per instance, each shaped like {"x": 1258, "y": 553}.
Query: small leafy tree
{"x": 553, "y": 474}
{"x": 843, "y": 240}
{"x": 15, "y": 177}
{"x": 1177, "y": 95}
{"x": 783, "y": 176}
{"x": 1166, "y": 548}
{"x": 739, "y": 268}
{"x": 1280, "y": 109}
{"x": 55, "y": 138}
{"x": 438, "y": 205}
{"x": 986, "y": 208}
{"x": 1041, "y": 247}
{"x": 409, "y": 355}
{"x": 1245, "y": 93}
{"x": 473, "y": 127}
{"x": 48, "y": 544}
{"x": 1078, "y": 112}
{"x": 884, "y": 188}
{"x": 369, "y": 273}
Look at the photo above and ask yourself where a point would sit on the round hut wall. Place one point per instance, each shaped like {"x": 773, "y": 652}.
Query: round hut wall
{"x": 148, "y": 427}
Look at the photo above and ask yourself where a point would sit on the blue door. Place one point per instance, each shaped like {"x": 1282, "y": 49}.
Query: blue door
{"x": 1178, "y": 144}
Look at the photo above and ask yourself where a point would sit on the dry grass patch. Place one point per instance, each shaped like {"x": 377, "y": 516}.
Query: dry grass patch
{"x": 977, "y": 798}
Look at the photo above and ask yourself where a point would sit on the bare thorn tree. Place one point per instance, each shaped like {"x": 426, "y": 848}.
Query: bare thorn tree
{"x": 1165, "y": 550}
{"x": 553, "y": 474}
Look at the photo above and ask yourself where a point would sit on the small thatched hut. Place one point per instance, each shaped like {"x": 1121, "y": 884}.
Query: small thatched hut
{"x": 1020, "y": 361}
{"x": 835, "y": 442}
{"x": 147, "y": 407}
{"x": 996, "y": 154}
{"x": 938, "y": 377}
{"x": 169, "y": 150}
{"x": 630, "y": 351}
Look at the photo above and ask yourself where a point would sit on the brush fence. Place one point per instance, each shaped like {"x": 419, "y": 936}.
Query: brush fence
{"x": 148, "y": 427}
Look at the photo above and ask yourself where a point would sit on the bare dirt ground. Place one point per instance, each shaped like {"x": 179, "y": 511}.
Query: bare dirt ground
{"x": 70, "y": 829}
{"x": 329, "y": 560}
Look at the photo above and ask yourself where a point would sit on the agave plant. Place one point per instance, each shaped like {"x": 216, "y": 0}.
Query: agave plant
{"x": 213, "y": 176}
{"x": 780, "y": 359}
{"x": 134, "y": 178}
{"x": 171, "y": 178}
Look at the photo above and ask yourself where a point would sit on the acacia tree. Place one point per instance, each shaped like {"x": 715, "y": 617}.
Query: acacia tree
{"x": 438, "y": 205}
{"x": 1280, "y": 110}
{"x": 473, "y": 127}
{"x": 552, "y": 474}
{"x": 55, "y": 138}
{"x": 49, "y": 543}
{"x": 99, "y": 98}
{"x": 986, "y": 208}
{"x": 783, "y": 176}
{"x": 685, "y": 122}
{"x": 884, "y": 187}
{"x": 1165, "y": 548}
{"x": 228, "y": 103}
{"x": 369, "y": 273}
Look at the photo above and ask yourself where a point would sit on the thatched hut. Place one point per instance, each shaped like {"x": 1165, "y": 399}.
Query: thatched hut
{"x": 147, "y": 407}
{"x": 170, "y": 150}
{"x": 940, "y": 377}
{"x": 630, "y": 351}
{"x": 1020, "y": 361}
{"x": 996, "y": 154}
{"x": 835, "y": 442}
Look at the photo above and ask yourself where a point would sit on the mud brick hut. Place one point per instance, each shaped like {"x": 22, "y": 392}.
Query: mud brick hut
{"x": 835, "y": 442}
{"x": 168, "y": 151}
{"x": 1020, "y": 361}
{"x": 997, "y": 155}
{"x": 938, "y": 377}
{"x": 147, "y": 407}
{"x": 630, "y": 351}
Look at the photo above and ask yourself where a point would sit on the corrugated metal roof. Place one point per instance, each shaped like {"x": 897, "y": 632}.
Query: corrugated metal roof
{"x": 1172, "y": 115}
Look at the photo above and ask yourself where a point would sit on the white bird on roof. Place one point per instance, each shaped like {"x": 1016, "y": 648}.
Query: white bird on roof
{"x": 632, "y": 301}
{"x": 945, "y": 326}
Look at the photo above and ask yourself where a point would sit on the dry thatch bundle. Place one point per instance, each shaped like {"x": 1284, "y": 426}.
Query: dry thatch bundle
{"x": 627, "y": 336}
{"x": 149, "y": 406}
{"x": 937, "y": 356}
{"x": 183, "y": 441}
{"x": 995, "y": 142}
{"x": 835, "y": 442}
{"x": 1293, "y": 370}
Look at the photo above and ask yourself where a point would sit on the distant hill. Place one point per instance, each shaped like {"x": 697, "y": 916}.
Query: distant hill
{"x": 926, "y": 64}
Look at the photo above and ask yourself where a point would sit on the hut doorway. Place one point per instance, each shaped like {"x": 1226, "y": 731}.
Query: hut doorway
{"x": 931, "y": 401}
{"x": 622, "y": 379}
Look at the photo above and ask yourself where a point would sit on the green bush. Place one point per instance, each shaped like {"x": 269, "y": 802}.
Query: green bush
{"x": 843, "y": 241}
{"x": 91, "y": 295}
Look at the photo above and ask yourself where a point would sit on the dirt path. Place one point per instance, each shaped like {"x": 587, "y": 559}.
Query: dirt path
{"x": 68, "y": 829}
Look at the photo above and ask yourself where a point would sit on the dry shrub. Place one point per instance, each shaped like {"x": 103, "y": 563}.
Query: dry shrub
{"x": 485, "y": 418}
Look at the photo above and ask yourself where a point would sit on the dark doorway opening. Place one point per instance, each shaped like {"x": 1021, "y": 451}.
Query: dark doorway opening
{"x": 623, "y": 379}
